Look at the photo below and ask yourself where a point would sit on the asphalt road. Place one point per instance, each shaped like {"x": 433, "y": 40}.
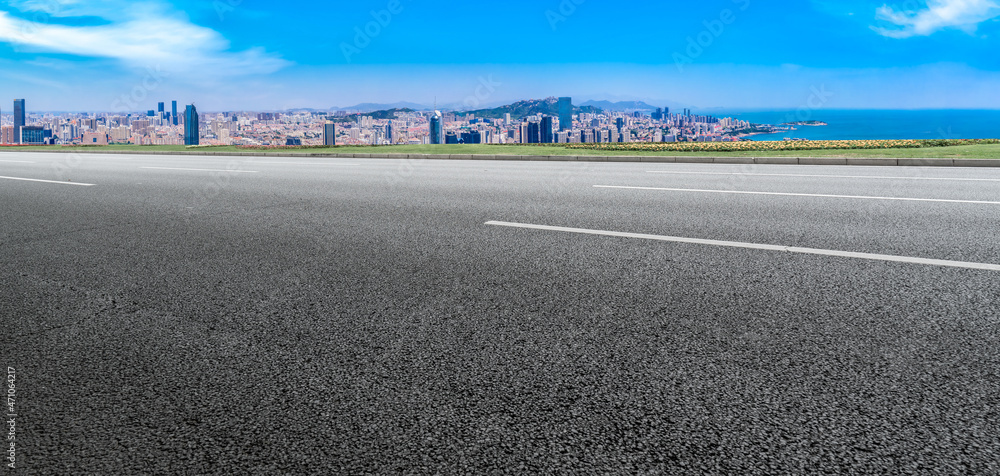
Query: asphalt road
{"x": 355, "y": 316}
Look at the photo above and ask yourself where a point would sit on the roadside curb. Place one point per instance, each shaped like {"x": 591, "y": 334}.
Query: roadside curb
{"x": 876, "y": 162}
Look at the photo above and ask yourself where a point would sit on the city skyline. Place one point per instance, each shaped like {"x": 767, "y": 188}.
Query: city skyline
{"x": 529, "y": 122}
{"x": 239, "y": 55}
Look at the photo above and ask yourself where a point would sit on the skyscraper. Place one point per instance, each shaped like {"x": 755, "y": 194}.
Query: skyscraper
{"x": 565, "y": 114}
{"x": 437, "y": 129}
{"x": 19, "y": 121}
{"x": 532, "y": 135}
{"x": 173, "y": 112}
{"x": 546, "y": 136}
{"x": 191, "y": 135}
{"x": 472, "y": 137}
{"x": 329, "y": 134}
{"x": 159, "y": 109}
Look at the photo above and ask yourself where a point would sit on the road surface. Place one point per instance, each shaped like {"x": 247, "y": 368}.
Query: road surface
{"x": 213, "y": 315}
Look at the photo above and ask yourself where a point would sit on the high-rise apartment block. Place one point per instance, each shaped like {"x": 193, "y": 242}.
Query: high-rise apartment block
{"x": 19, "y": 120}
{"x": 546, "y": 130}
{"x": 329, "y": 134}
{"x": 191, "y": 134}
{"x": 390, "y": 133}
{"x": 437, "y": 129}
{"x": 534, "y": 133}
{"x": 565, "y": 114}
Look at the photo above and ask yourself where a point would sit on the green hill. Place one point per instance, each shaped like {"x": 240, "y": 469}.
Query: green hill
{"x": 530, "y": 107}
{"x": 386, "y": 114}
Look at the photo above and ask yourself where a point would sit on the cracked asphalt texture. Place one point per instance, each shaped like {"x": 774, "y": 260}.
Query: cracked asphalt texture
{"x": 357, "y": 317}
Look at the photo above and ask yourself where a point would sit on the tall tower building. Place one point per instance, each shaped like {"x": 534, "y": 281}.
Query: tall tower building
{"x": 565, "y": 114}
{"x": 191, "y": 135}
{"x": 546, "y": 133}
{"x": 534, "y": 133}
{"x": 173, "y": 112}
{"x": 329, "y": 134}
{"x": 437, "y": 129}
{"x": 160, "y": 109}
{"x": 19, "y": 121}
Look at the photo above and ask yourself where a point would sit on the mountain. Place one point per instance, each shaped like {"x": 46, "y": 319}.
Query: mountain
{"x": 530, "y": 107}
{"x": 463, "y": 107}
{"x": 621, "y": 106}
{"x": 368, "y": 106}
{"x": 384, "y": 114}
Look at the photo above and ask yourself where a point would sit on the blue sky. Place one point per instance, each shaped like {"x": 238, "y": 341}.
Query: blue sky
{"x": 253, "y": 54}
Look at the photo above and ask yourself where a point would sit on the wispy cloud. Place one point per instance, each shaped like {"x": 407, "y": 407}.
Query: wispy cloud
{"x": 965, "y": 15}
{"x": 139, "y": 34}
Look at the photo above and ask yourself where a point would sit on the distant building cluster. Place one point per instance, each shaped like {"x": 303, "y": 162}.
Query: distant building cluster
{"x": 566, "y": 128}
{"x": 167, "y": 127}
{"x": 156, "y": 127}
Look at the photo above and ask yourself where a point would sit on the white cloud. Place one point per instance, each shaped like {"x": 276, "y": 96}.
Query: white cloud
{"x": 965, "y": 15}
{"x": 140, "y": 34}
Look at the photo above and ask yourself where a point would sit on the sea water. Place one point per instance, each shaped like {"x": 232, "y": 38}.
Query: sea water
{"x": 875, "y": 124}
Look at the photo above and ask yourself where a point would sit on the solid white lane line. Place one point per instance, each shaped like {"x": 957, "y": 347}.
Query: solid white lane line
{"x": 49, "y": 181}
{"x": 17, "y": 161}
{"x": 205, "y": 170}
{"x": 755, "y": 246}
{"x": 300, "y": 163}
{"x": 784, "y": 194}
{"x": 826, "y": 176}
